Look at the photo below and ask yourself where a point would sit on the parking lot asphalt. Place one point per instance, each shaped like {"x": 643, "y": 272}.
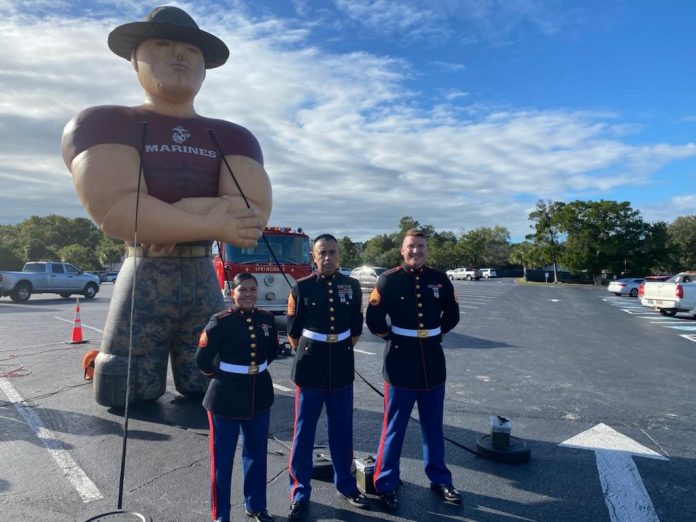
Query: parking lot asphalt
{"x": 599, "y": 388}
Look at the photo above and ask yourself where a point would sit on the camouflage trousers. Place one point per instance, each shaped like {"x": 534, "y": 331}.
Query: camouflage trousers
{"x": 174, "y": 299}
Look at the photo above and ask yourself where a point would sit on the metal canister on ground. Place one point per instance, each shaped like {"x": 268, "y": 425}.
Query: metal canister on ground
{"x": 364, "y": 475}
{"x": 500, "y": 432}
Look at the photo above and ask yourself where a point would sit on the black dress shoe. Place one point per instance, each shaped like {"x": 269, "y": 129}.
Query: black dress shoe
{"x": 261, "y": 516}
{"x": 298, "y": 510}
{"x": 448, "y": 492}
{"x": 356, "y": 499}
{"x": 389, "y": 500}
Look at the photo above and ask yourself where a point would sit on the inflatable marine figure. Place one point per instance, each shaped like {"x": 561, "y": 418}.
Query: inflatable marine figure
{"x": 160, "y": 165}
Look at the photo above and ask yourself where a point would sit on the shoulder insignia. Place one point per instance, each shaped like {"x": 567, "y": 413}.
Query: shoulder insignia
{"x": 224, "y": 313}
{"x": 392, "y": 270}
{"x": 375, "y": 297}
{"x": 292, "y": 305}
{"x": 203, "y": 340}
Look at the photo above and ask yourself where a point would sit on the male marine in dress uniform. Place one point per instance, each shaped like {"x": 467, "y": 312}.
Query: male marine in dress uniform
{"x": 422, "y": 307}
{"x": 324, "y": 323}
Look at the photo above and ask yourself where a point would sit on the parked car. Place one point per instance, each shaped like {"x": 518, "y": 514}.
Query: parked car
{"x": 488, "y": 272}
{"x": 367, "y": 275}
{"x": 464, "y": 273}
{"x": 108, "y": 277}
{"x": 628, "y": 286}
{"x": 677, "y": 294}
{"x": 48, "y": 277}
{"x": 651, "y": 278}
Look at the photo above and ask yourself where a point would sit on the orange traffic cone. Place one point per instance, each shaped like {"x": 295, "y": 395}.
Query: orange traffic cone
{"x": 77, "y": 327}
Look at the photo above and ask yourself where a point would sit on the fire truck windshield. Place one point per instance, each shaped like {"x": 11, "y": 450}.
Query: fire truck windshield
{"x": 287, "y": 249}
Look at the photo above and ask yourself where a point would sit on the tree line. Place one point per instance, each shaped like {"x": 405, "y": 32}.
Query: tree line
{"x": 72, "y": 240}
{"x": 584, "y": 237}
{"x": 587, "y": 238}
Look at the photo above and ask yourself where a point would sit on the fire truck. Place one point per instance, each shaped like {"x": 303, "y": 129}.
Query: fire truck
{"x": 291, "y": 249}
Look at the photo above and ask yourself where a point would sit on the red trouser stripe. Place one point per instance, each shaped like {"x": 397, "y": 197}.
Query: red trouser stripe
{"x": 385, "y": 423}
{"x": 213, "y": 484}
{"x": 295, "y": 482}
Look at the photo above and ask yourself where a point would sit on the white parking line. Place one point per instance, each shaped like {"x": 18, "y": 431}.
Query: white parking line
{"x": 642, "y": 312}
{"x": 281, "y": 388}
{"x": 83, "y": 324}
{"x": 684, "y": 328}
{"x": 84, "y": 486}
{"x": 363, "y": 351}
{"x": 689, "y": 337}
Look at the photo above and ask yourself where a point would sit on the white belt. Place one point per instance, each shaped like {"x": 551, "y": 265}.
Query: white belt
{"x": 326, "y": 338}
{"x": 240, "y": 368}
{"x": 416, "y": 333}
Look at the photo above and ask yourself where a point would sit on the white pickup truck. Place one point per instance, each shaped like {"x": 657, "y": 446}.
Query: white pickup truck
{"x": 677, "y": 294}
{"x": 48, "y": 277}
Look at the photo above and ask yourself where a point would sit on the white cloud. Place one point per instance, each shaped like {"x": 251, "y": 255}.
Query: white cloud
{"x": 396, "y": 18}
{"x": 349, "y": 149}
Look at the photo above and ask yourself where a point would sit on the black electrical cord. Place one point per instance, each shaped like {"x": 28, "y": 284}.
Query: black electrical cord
{"x": 459, "y": 445}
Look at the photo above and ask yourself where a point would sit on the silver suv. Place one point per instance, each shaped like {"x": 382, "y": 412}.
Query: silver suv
{"x": 488, "y": 272}
{"x": 367, "y": 275}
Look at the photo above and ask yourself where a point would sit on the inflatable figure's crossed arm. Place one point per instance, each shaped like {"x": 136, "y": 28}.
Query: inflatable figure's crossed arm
{"x": 105, "y": 180}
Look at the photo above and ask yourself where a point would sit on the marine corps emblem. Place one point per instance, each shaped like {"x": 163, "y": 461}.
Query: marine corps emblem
{"x": 180, "y": 135}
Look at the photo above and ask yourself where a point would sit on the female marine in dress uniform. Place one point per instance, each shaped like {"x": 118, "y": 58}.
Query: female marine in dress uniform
{"x": 239, "y": 396}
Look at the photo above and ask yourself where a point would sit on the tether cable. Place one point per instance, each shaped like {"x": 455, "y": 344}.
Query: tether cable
{"x": 241, "y": 193}
{"x": 132, "y": 314}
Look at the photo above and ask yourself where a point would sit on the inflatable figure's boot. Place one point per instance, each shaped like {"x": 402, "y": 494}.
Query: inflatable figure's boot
{"x": 148, "y": 379}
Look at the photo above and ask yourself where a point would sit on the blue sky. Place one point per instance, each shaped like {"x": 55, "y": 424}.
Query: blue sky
{"x": 459, "y": 113}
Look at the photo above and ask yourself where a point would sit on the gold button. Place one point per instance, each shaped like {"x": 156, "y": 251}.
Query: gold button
{"x": 253, "y": 336}
{"x": 417, "y": 278}
{"x": 331, "y": 309}
{"x": 418, "y": 295}
{"x": 248, "y": 319}
{"x": 332, "y": 327}
{"x": 253, "y": 354}
{"x": 329, "y": 283}
{"x": 331, "y": 291}
{"x": 420, "y": 325}
{"x": 251, "y": 327}
{"x": 420, "y": 305}
{"x": 330, "y": 299}
{"x": 253, "y": 345}
{"x": 420, "y": 314}
{"x": 417, "y": 287}
{"x": 332, "y": 318}
{"x": 253, "y": 363}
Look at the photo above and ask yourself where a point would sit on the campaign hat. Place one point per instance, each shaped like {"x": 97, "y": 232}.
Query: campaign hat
{"x": 169, "y": 23}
